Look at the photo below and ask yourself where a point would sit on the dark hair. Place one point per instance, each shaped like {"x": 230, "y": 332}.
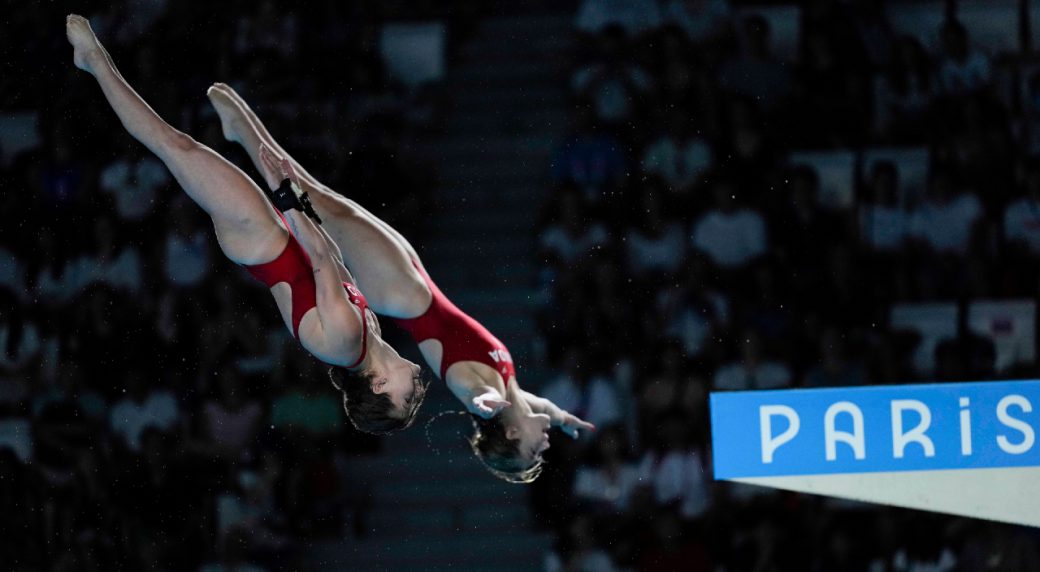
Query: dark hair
{"x": 372, "y": 412}
{"x": 500, "y": 454}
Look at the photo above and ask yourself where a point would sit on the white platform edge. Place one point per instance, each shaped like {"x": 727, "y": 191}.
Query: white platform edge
{"x": 1009, "y": 495}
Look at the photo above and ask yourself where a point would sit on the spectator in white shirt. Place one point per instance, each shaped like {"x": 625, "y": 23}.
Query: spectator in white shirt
{"x": 591, "y": 397}
{"x": 1022, "y": 216}
{"x": 609, "y": 478}
{"x": 702, "y": 20}
{"x": 20, "y": 341}
{"x": 632, "y": 16}
{"x": 118, "y": 265}
{"x": 53, "y": 279}
{"x": 945, "y": 221}
{"x": 187, "y": 253}
{"x": 752, "y": 371}
{"x": 12, "y": 273}
{"x": 732, "y": 237}
{"x": 134, "y": 181}
{"x": 16, "y": 435}
{"x": 573, "y": 234}
{"x": 141, "y": 410}
{"x": 611, "y": 84}
{"x": 578, "y": 550}
{"x": 678, "y": 157}
{"x": 962, "y": 71}
{"x": 675, "y": 471}
{"x": 883, "y": 222}
{"x": 655, "y": 245}
{"x": 695, "y": 311}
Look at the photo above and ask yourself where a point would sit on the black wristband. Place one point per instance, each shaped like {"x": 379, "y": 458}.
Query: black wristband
{"x": 284, "y": 198}
{"x": 308, "y": 208}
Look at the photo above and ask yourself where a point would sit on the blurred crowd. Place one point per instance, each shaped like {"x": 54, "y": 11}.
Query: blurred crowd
{"x": 690, "y": 244}
{"x": 153, "y": 408}
{"x": 154, "y": 414}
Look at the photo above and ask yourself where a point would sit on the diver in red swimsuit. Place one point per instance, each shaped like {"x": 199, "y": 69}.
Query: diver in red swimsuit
{"x": 287, "y": 251}
{"x": 511, "y": 424}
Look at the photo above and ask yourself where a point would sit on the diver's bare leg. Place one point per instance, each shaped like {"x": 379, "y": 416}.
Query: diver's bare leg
{"x": 247, "y": 227}
{"x": 259, "y": 130}
{"x": 376, "y": 255}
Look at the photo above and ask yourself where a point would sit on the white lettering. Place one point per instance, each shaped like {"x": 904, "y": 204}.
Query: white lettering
{"x": 916, "y": 435}
{"x": 1028, "y": 436}
{"x": 770, "y": 443}
{"x": 965, "y": 426}
{"x": 833, "y": 436}
{"x": 501, "y": 355}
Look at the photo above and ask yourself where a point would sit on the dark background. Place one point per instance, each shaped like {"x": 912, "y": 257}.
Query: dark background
{"x": 646, "y": 201}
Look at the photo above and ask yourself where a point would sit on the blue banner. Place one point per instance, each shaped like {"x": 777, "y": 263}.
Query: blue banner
{"x": 874, "y": 429}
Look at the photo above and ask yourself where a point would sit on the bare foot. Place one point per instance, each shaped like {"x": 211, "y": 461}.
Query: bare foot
{"x": 87, "y": 49}
{"x": 229, "y": 112}
{"x": 230, "y": 91}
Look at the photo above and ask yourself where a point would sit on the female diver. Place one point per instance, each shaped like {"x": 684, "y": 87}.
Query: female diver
{"x": 511, "y": 425}
{"x": 302, "y": 267}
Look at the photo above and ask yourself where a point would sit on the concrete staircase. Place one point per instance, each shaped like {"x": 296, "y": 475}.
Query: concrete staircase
{"x": 510, "y": 112}
{"x": 436, "y": 507}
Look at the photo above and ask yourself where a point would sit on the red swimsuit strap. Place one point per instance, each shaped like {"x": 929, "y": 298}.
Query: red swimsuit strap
{"x": 358, "y": 299}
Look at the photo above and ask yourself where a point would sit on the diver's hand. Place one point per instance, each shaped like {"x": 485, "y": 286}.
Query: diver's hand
{"x": 488, "y": 404}
{"x": 277, "y": 168}
{"x": 570, "y": 425}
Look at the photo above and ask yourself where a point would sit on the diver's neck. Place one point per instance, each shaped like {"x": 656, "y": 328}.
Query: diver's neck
{"x": 376, "y": 352}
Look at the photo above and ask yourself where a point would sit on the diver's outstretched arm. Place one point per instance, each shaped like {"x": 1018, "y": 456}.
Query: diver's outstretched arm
{"x": 567, "y": 422}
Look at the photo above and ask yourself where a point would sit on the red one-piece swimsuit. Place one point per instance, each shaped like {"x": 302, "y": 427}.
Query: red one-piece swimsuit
{"x": 462, "y": 338}
{"x": 293, "y": 267}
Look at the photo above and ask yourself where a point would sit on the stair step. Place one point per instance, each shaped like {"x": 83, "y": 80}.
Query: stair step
{"x": 434, "y": 506}
{"x": 497, "y": 291}
{"x": 488, "y": 490}
{"x": 474, "y": 227}
{"x": 476, "y": 184}
{"x": 468, "y": 279}
{"x": 466, "y": 519}
{"x": 483, "y": 175}
{"x": 500, "y": 210}
{"x": 497, "y": 194}
{"x": 450, "y": 458}
{"x": 531, "y": 24}
{"x": 445, "y": 265}
{"x": 491, "y": 247}
{"x": 519, "y": 297}
{"x": 495, "y": 145}
{"x": 512, "y": 46}
{"x": 550, "y": 120}
{"x": 433, "y": 551}
{"x": 507, "y": 98}
{"x": 462, "y": 280}
{"x": 530, "y": 72}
